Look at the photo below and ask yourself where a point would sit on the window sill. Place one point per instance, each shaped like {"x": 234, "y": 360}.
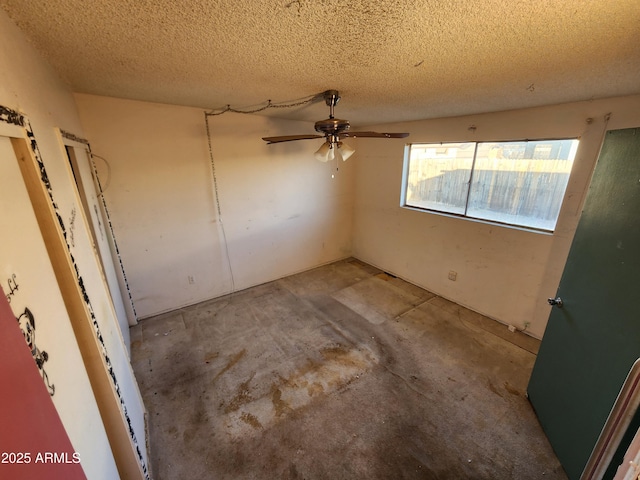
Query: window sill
{"x": 479, "y": 220}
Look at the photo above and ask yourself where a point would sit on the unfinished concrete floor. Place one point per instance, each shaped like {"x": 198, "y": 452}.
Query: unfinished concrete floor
{"x": 341, "y": 372}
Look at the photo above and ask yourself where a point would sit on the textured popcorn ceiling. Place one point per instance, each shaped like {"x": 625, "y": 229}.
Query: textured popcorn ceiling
{"x": 391, "y": 60}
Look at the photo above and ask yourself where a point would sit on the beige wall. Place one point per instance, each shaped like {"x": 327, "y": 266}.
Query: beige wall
{"x": 28, "y": 85}
{"x": 505, "y": 273}
{"x": 281, "y": 212}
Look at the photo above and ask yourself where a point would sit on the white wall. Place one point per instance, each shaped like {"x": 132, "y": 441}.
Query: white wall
{"x": 281, "y": 212}
{"x": 28, "y": 85}
{"x": 504, "y": 273}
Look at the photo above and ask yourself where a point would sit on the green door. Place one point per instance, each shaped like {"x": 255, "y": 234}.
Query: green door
{"x": 592, "y": 341}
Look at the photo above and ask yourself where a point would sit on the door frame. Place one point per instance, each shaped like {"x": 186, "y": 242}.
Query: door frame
{"x": 112, "y": 277}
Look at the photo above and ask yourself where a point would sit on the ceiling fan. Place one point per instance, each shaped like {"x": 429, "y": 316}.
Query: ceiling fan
{"x": 333, "y": 130}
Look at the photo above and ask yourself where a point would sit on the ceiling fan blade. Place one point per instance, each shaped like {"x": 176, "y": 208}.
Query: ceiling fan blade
{"x": 290, "y": 138}
{"x": 373, "y": 135}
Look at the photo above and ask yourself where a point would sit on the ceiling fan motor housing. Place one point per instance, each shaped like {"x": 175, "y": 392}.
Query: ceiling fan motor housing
{"x": 332, "y": 126}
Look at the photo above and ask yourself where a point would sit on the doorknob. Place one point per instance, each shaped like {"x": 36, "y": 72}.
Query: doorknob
{"x": 555, "y": 301}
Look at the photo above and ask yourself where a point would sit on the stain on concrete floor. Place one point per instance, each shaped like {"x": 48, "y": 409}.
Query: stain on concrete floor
{"x": 341, "y": 372}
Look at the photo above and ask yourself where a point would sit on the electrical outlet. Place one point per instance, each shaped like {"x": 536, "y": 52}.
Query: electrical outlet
{"x": 191, "y": 280}
{"x": 453, "y": 276}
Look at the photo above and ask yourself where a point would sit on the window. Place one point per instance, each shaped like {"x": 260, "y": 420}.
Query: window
{"x": 515, "y": 183}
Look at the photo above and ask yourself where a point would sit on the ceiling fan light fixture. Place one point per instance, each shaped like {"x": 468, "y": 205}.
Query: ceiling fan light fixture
{"x": 337, "y": 154}
{"x": 345, "y": 151}
{"x": 322, "y": 154}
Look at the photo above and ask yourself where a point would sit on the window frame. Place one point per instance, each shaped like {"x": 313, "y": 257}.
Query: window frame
{"x": 404, "y": 190}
